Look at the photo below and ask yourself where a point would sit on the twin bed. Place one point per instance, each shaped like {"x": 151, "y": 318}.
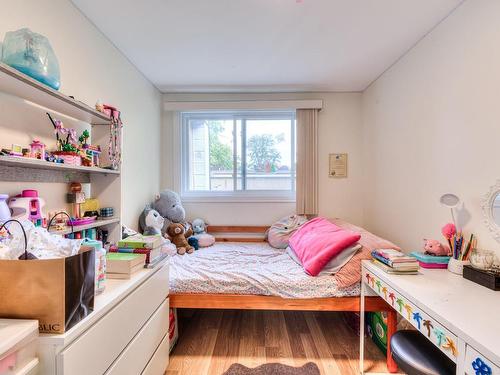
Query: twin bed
{"x": 247, "y": 273}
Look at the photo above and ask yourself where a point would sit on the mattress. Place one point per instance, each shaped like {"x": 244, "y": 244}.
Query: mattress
{"x": 249, "y": 268}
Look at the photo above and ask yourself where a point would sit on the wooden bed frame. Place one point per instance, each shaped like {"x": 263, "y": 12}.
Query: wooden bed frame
{"x": 257, "y": 302}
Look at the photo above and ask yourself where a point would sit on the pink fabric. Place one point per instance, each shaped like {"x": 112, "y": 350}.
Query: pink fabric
{"x": 351, "y": 273}
{"x": 318, "y": 241}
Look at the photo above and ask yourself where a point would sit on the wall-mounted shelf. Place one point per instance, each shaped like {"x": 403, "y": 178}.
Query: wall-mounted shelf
{"x": 96, "y": 224}
{"x": 18, "y": 84}
{"x": 13, "y": 161}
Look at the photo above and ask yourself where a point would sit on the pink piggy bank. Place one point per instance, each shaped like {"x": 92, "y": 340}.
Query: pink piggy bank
{"x": 434, "y": 247}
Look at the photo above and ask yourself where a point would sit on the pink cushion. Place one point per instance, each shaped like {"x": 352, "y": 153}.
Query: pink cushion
{"x": 318, "y": 241}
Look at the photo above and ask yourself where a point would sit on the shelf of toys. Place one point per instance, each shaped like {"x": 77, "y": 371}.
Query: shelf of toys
{"x": 58, "y": 154}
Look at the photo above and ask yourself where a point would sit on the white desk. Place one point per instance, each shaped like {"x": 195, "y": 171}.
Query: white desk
{"x": 460, "y": 317}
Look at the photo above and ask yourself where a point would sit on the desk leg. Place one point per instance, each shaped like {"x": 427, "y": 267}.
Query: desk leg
{"x": 362, "y": 328}
{"x": 392, "y": 326}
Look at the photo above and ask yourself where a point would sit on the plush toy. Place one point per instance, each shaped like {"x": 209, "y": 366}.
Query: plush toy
{"x": 199, "y": 226}
{"x": 178, "y": 235}
{"x": 193, "y": 241}
{"x": 199, "y": 229}
{"x": 151, "y": 221}
{"x": 169, "y": 206}
{"x": 434, "y": 247}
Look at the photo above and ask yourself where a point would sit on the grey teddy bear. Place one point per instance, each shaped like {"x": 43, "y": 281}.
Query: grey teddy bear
{"x": 168, "y": 204}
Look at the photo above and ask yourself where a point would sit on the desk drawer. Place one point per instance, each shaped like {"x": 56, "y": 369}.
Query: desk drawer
{"x": 136, "y": 355}
{"x": 96, "y": 349}
{"x": 446, "y": 341}
{"x": 476, "y": 363}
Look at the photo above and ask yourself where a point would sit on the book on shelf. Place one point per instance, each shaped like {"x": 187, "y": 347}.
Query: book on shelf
{"x": 124, "y": 262}
{"x": 151, "y": 254}
{"x": 393, "y": 271}
{"x": 139, "y": 241}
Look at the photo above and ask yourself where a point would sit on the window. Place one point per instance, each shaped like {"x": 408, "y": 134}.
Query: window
{"x": 238, "y": 154}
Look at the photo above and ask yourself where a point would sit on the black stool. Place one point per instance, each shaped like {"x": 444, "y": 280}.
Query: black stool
{"x": 416, "y": 355}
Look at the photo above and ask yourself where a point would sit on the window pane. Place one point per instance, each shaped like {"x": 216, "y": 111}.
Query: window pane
{"x": 268, "y": 154}
{"x": 238, "y": 151}
{"x": 211, "y": 155}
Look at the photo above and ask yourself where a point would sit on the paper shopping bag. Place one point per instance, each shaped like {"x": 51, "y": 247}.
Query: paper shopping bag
{"x": 57, "y": 292}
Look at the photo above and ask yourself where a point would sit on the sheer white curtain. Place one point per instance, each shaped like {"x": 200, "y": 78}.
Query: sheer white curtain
{"x": 307, "y": 162}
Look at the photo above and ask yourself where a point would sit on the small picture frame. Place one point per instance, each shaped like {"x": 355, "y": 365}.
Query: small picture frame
{"x": 338, "y": 165}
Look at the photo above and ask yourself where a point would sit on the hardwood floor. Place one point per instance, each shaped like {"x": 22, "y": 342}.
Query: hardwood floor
{"x": 211, "y": 340}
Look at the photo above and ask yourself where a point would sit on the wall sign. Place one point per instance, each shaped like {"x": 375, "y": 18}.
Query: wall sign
{"x": 338, "y": 166}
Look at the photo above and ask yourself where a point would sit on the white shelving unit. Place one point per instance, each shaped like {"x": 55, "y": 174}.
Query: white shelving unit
{"x": 105, "y": 184}
{"x": 14, "y": 161}
{"x": 18, "y": 84}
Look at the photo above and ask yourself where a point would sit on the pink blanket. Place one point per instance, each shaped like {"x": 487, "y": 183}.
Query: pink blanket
{"x": 318, "y": 241}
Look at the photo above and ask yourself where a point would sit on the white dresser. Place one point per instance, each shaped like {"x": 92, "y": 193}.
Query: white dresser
{"x": 126, "y": 334}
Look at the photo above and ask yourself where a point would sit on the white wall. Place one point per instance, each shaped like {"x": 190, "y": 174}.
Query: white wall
{"x": 92, "y": 68}
{"x": 432, "y": 125}
{"x": 339, "y": 131}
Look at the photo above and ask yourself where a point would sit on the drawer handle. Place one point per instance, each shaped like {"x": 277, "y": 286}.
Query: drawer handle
{"x": 480, "y": 367}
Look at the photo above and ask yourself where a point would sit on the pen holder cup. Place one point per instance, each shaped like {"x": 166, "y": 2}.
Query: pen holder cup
{"x": 457, "y": 266}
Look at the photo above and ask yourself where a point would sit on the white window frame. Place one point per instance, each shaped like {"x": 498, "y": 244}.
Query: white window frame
{"x": 243, "y": 196}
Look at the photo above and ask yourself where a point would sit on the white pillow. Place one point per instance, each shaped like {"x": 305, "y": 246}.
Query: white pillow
{"x": 335, "y": 264}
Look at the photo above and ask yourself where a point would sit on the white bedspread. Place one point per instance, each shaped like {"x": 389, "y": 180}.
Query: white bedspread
{"x": 248, "y": 268}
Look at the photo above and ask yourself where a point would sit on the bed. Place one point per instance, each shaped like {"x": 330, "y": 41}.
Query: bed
{"x": 244, "y": 272}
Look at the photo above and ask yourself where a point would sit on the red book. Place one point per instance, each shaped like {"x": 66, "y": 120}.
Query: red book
{"x": 151, "y": 254}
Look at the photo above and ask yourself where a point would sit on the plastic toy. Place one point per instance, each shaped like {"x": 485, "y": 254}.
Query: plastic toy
{"x": 67, "y": 147}
{"x": 76, "y": 198}
{"x": 16, "y": 150}
{"x": 28, "y": 206}
{"x": 37, "y": 150}
{"x": 434, "y": 247}
{"x": 150, "y": 221}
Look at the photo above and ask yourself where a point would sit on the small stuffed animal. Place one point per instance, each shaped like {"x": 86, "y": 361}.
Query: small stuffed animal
{"x": 199, "y": 226}
{"x": 151, "y": 221}
{"x": 178, "y": 235}
{"x": 434, "y": 247}
{"x": 200, "y": 233}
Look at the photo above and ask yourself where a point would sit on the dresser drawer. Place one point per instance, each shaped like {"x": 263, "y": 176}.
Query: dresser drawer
{"x": 159, "y": 361}
{"x": 476, "y": 363}
{"x": 96, "y": 349}
{"x": 445, "y": 340}
{"x": 136, "y": 355}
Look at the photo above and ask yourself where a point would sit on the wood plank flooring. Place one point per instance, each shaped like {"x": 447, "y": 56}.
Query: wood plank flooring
{"x": 211, "y": 340}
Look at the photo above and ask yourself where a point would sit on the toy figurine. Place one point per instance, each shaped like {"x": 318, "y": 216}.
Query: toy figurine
{"x": 28, "y": 206}
{"x": 434, "y": 247}
{"x": 37, "y": 150}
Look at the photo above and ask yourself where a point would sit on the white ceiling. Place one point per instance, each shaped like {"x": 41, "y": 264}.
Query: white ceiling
{"x": 264, "y": 45}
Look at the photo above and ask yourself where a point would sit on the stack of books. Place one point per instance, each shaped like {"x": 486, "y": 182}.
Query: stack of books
{"x": 395, "y": 262}
{"x": 150, "y": 246}
{"x": 122, "y": 266}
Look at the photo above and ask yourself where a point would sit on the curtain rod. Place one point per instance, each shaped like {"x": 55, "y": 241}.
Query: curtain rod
{"x": 242, "y": 105}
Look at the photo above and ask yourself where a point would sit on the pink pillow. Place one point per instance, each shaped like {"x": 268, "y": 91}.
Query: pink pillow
{"x": 318, "y": 241}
